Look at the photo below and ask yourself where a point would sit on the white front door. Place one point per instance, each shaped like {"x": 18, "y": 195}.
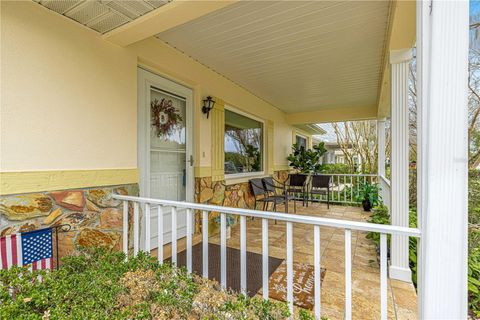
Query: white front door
{"x": 165, "y": 123}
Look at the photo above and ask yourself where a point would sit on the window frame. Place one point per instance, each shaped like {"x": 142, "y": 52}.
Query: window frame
{"x": 233, "y": 176}
{"x": 302, "y": 137}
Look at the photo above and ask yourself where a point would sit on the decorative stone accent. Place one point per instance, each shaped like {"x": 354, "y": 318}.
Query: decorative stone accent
{"x": 52, "y": 216}
{"x": 66, "y": 244}
{"x": 72, "y": 200}
{"x": 102, "y": 197}
{"x": 205, "y": 195}
{"x": 111, "y": 218}
{"x": 218, "y": 193}
{"x": 92, "y": 207}
{"x": 96, "y": 219}
{"x": 23, "y": 207}
{"x": 78, "y": 219}
{"x": 92, "y": 237}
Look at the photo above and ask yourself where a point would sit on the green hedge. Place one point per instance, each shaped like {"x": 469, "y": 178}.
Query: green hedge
{"x": 99, "y": 284}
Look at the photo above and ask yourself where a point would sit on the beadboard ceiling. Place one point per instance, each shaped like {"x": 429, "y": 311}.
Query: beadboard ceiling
{"x": 102, "y": 15}
{"x": 300, "y": 56}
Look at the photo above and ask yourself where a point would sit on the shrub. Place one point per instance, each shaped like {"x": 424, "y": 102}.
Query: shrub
{"x": 100, "y": 284}
{"x": 474, "y": 270}
{"x": 379, "y": 215}
{"x": 335, "y": 168}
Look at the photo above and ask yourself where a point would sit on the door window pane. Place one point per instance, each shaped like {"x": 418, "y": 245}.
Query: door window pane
{"x": 243, "y": 144}
{"x": 167, "y": 146}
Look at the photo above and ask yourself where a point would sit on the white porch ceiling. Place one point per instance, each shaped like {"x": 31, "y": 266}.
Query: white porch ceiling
{"x": 102, "y": 16}
{"x": 300, "y": 56}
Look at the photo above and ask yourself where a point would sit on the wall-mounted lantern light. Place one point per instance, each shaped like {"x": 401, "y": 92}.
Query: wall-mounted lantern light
{"x": 208, "y": 104}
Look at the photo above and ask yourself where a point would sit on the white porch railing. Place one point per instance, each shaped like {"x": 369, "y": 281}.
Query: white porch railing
{"x": 289, "y": 219}
{"x": 384, "y": 190}
{"x": 346, "y": 187}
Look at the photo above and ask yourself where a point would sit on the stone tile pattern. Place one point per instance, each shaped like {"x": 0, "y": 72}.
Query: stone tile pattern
{"x": 218, "y": 193}
{"x": 402, "y": 297}
{"x": 95, "y": 217}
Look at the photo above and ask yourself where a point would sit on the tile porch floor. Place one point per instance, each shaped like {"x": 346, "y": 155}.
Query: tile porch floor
{"x": 402, "y": 299}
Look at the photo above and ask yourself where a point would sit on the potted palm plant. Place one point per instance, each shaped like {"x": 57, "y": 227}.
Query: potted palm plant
{"x": 368, "y": 195}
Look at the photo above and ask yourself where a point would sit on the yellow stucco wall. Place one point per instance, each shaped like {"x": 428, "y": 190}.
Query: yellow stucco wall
{"x": 69, "y": 98}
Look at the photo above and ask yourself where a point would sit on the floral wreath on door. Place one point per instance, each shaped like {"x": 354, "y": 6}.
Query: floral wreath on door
{"x": 165, "y": 117}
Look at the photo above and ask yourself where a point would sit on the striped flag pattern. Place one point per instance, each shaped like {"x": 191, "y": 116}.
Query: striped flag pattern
{"x": 32, "y": 248}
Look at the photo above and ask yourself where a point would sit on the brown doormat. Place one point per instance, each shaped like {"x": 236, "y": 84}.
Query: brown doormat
{"x": 254, "y": 266}
{"x": 303, "y": 284}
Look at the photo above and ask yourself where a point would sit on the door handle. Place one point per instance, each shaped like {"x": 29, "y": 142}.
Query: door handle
{"x": 191, "y": 160}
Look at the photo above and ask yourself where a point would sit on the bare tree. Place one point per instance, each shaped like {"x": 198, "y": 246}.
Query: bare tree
{"x": 358, "y": 139}
{"x": 474, "y": 108}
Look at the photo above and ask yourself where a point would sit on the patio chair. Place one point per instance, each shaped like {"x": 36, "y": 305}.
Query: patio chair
{"x": 320, "y": 185}
{"x": 279, "y": 197}
{"x": 260, "y": 194}
{"x": 297, "y": 183}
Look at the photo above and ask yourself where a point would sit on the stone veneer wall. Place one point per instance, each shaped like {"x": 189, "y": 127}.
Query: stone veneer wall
{"x": 95, "y": 217}
{"x": 218, "y": 193}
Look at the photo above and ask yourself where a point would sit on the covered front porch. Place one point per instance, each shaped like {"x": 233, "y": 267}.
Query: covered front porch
{"x": 125, "y": 135}
{"x": 365, "y": 263}
{"x": 402, "y": 296}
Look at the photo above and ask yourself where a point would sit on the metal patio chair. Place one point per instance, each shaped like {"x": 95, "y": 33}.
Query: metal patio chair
{"x": 320, "y": 185}
{"x": 297, "y": 183}
{"x": 278, "y": 197}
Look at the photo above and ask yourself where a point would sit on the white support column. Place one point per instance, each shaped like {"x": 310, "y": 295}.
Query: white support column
{"x": 399, "y": 61}
{"x": 442, "y": 71}
{"x": 381, "y": 146}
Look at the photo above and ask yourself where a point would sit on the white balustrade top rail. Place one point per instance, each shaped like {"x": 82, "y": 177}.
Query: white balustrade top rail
{"x": 289, "y": 220}
{"x": 385, "y": 179}
{"x": 287, "y": 217}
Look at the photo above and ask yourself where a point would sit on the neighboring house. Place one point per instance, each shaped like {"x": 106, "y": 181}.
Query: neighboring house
{"x": 335, "y": 153}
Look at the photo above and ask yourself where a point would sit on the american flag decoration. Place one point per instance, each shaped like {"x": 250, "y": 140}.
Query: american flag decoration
{"x": 32, "y": 248}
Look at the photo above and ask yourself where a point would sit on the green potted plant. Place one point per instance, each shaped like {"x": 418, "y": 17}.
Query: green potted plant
{"x": 306, "y": 160}
{"x": 368, "y": 195}
{"x": 230, "y": 220}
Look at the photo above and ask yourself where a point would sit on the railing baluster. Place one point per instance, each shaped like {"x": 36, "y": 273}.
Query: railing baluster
{"x": 243, "y": 254}
{"x": 174, "y": 235}
{"x": 317, "y": 268}
{"x": 189, "y": 240}
{"x": 345, "y": 188}
{"x": 351, "y": 188}
{"x": 147, "y": 228}
{"x": 290, "y": 266}
{"x": 338, "y": 188}
{"x": 135, "y": 228}
{"x": 348, "y": 274}
{"x": 125, "y": 228}
{"x": 223, "y": 250}
{"x": 205, "y": 242}
{"x": 160, "y": 233}
{"x": 265, "y": 258}
{"x": 383, "y": 276}
{"x": 357, "y": 188}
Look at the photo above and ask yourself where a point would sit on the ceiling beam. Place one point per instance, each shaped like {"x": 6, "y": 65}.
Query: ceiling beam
{"x": 333, "y": 115}
{"x": 402, "y": 35}
{"x": 163, "y": 18}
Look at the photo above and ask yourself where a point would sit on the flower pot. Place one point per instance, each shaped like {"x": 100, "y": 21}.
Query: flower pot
{"x": 229, "y": 232}
{"x": 366, "y": 205}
